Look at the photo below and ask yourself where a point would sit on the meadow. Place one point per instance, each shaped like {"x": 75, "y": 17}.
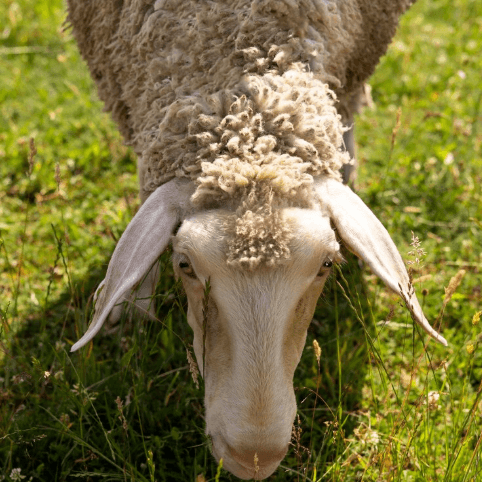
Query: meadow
{"x": 384, "y": 403}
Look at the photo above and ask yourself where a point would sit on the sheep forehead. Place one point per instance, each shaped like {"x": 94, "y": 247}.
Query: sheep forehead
{"x": 203, "y": 238}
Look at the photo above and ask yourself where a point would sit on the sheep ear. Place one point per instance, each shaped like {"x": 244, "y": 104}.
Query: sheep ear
{"x": 145, "y": 238}
{"x": 366, "y": 237}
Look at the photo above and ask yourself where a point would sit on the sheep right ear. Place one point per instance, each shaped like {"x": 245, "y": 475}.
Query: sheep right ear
{"x": 143, "y": 241}
{"x": 365, "y": 236}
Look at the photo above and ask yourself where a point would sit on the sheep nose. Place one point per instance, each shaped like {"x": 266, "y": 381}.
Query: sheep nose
{"x": 258, "y": 460}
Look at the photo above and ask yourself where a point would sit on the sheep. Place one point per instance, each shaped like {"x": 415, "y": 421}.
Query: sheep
{"x": 240, "y": 112}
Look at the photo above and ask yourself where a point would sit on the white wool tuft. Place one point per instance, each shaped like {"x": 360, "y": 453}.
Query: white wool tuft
{"x": 264, "y": 140}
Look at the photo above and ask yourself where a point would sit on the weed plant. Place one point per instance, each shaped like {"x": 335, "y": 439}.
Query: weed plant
{"x": 377, "y": 400}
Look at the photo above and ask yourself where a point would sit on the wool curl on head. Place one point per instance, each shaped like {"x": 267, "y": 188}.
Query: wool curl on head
{"x": 258, "y": 146}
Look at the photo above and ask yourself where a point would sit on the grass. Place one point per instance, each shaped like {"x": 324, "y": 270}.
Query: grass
{"x": 383, "y": 404}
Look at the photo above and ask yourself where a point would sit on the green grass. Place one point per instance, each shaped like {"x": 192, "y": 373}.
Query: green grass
{"x": 126, "y": 408}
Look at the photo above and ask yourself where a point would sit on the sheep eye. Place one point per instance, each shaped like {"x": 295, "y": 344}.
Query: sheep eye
{"x": 186, "y": 268}
{"x": 324, "y": 267}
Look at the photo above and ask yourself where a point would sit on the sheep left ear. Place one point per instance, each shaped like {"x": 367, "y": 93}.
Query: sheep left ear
{"x": 365, "y": 236}
{"x": 145, "y": 238}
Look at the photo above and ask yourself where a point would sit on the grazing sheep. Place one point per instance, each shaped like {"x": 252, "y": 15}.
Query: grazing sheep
{"x": 238, "y": 112}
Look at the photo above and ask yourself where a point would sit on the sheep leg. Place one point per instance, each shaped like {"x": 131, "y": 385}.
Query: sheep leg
{"x": 349, "y": 170}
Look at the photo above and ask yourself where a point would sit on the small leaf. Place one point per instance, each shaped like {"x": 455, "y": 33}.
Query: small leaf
{"x": 126, "y": 359}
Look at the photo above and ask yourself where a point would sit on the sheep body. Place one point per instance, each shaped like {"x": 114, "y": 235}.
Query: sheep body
{"x": 238, "y": 96}
{"x": 145, "y": 55}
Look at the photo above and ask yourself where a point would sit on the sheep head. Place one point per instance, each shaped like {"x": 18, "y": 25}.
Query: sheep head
{"x": 250, "y": 329}
{"x": 249, "y": 340}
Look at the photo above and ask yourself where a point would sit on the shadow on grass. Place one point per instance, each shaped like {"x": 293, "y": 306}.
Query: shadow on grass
{"x": 125, "y": 407}
{"x": 337, "y": 384}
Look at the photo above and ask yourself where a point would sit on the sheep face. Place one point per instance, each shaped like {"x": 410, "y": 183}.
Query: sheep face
{"x": 249, "y": 332}
{"x": 250, "y": 324}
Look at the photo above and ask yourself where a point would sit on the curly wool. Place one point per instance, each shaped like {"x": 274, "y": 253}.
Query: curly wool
{"x": 259, "y": 235}
{"x": 284, "y": 129}
{"x": 234, "y": 95}
{"x": 145, "y": 54}
{"x": 263, "y": 142}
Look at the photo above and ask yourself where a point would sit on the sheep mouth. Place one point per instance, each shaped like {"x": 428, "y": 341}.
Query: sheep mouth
{"x": 254, "y": 467}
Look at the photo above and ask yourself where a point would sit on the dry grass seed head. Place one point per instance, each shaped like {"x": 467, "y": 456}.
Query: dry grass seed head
{"x": 193, "y": 368}
{"x": 256, "y": 460}
{"x": 296, "y": 432}
{"x": 453, "y": 285}
{"x": 121, "y": 417}
{"x": 476, "y": 318}
{"x": 417, "y": 252}
{"x": 317, "y": 349}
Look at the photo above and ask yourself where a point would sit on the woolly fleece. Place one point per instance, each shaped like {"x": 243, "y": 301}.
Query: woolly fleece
{"x": 238, "y": 96}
